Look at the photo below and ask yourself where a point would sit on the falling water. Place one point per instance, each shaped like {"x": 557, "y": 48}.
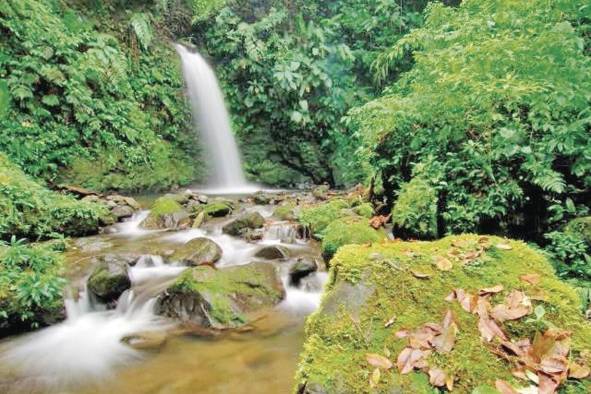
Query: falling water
{"x": 212, "y": 120}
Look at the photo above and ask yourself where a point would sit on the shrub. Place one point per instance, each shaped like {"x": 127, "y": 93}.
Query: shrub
{"x": 415, "y": 211}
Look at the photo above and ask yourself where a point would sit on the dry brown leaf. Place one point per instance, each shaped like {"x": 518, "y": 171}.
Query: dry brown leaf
{"x": 378, "y": 361}
{"x": 516, "y": 305}
{"x": 554, "y": 365}
{"x": 408, "y": 358}
{"x": 449, "y": 383}
{"x": 491, "y": 290}
{"x": 420, "y": 275}
{"x": 532, "y": 279}
{"x": 402, "y": 334}
{"x": 577, "y": 371}
{"x": 503, "y": 246}
{"x": 467, "y": 301}
{"x": 437, "y": 377}
{"x": 445, "y": 341}
{"x": 443, "y": 264}
{"x": 374, "y": 379}
{"x": 390, "y": 322}
{"x": 378, "y": 221}
{"x": 546, "y": 385}
{"x": 504, "y": 387}
{"x": 489, "y": 329}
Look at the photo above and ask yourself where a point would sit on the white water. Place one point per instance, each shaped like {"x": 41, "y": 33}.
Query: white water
{"x": 211, "y": 119}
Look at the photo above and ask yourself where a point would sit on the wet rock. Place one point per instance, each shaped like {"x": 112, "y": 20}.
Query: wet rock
{"x": 202, "y": 198}
{"x": 321, "y": 192}
{"x": 166, "y": 213}
{"x": 149, "y": 340}
{"x": 272, "y": 252}
{"x": 301, "y": 269}
{"x": 253, "y": 235}
{"x": 122, "y": 212}
{"x": 216, "y": 209}
{"x": 222, "y": 298}
{"x": 198, "y": 220}
{"x": 261, "y": 198}
{"x": 198, "y": 251}
{"x": 110, "y": 278}
{"x": 251, "y": 220}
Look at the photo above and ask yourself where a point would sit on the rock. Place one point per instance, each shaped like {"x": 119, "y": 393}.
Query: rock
{"x": 198, "y": 251}
{"x": 321, "y": 192}
{"x": 373, "y": 286}
{"x": 202, "y": 198}
{"x": 285, "y": 211}
{"x": 214, "y": 209}
{"x": 272, "y": 252}
{"x": 77, "y": 190}
{"x": 251, "y": 220}
{"x": 166, "y": 213}
{"x": 261, "y": 198}
{"x": 349, "y": 230}
{"x": 253, "y": 235}
{"x": 149, "y": 340}
{"x": 110, "y": 278}
{"x": 221, "y": 298}
{"x": 199, "y": 220}
{"x": 300, "y": 269}
{"x": 122, "y": 212}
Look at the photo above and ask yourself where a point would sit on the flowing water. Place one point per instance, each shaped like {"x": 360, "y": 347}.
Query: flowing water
{"x": 87, "y": 352}
{"x": 213, "y": 122}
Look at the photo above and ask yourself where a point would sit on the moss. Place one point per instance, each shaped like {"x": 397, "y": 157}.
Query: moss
{"x": 30, "y": 210}
{"x": 285, "y": 211}
{"x": 350, "y": 230}
{"x": 215, "y": 209}
{"x": 233, "y": 291}
{"x": 319, "y": 216}
{"x": 340, "y": 333}
{"x": 364, "y": 209}
{"x": 414, "y": 214}
{"x": 580, "y": 227}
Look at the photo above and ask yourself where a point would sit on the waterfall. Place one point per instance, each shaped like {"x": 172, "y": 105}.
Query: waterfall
{"x": 211, "y": 119}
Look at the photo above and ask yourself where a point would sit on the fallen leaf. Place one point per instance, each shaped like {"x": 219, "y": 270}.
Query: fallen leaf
{"x": 408, "y": 358}
{"x": 378, "y": 361}
{"x": 401, "y": 334}
{"x": 547, "y": 385}
{"x": 445, "y": 341}
{"x": 489, "y": 329}
{"x": 554, "y": 365}
{"x": 378, "y": 221}
{"x": 437, "y": 377}
{"x": 577, "y": 371}
{"x": 503, "y": 246}
{"x": 374, "y": 379}
{"x": 443, "y": 264}
{"x": 504, "y": 387}
{"x": 390, "y": 322}
{"x": 502, "y": 312}
{"x": 467, "y": 301}
{"x": 449, "y": 383}
{"x": 491, "y": 290}
{"x": 420, "y": 275}
{"x": 532, "y": 279}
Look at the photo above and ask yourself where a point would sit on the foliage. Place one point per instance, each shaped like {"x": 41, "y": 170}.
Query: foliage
{"x": 31, "y": 285}
{"x": 495, "y": 110}
{"x": 570, "y": 250}
{"x": 30, "y": 210}
{"x": 81, "y": 99}
{"x": 290, "y": 72}
{"x": 415, "y": 211}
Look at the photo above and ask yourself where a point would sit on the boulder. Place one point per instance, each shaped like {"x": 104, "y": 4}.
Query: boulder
{"x": 122, "y": 212}
{"x": 166, "y": 213}
{"x": 349, "y": 230}
{"x": 321, "y": 192}
{"x": 250, "y": 220}
{"x": 261, "y": 198}
{"x": 198, "y": 251}
{"x": 301, "y": 269}
{"x": 272, "y": 252}
{"x": 214, "y": 209}
{"x": 110, "y": 278}
{"x": 285, "y": 211}
{"x": 398, "y": 287}
{"x": 221, "y": 298}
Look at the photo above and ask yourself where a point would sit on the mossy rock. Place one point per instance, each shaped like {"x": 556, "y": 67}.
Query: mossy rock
{"x": 110, "y": 278}
{"x": 285, "y": 211}
{"x": 364, "y": 209}
{"x": 349, "y": 230}
{"x": 221, "y": 298}
{"x": 215, "y": 209}
{"x": 580, "y": 227}
{"x": 272, "y": 252}
{"x": 414, "y": 214}
{"x": 166, "y": 213}
{"x": 239, "y": 226}
{"x": 198, "y": 251}
{"x": 319, "y": 216}
{"x": 369, "y": 285}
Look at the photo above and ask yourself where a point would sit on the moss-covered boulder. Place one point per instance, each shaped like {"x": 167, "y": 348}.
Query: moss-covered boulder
{"x": 414, "y": 214}
{"x": 166, "y": 213}
{"x": 240, "y": 225}
{"x": 285, "y": 211}
{"x": 221, "y": 298}
{"x": 214, "y": 209}
{"x": 349, "y": 230}
{"x": 110, "y": 278}
{"x": 318, "y": 216}
{"x": 378, "y": 295}
{"x": 272, "y": 252}
{"x": 198, "y": 251}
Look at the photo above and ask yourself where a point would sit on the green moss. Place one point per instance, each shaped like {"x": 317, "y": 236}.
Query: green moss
{"x": 350, "y": 230}
{"x": 215, "y": 209}
{"x": 414, "y": 214}
{"x": 319, "y": 216}
{"x": 364, "y": 209}
{"x": 27, "y": 209}
{"x": 342, "y": 331}
{"x": 285, "y": 211}
{"x": 233, "y": 291}
{"x": 164, "y": 206}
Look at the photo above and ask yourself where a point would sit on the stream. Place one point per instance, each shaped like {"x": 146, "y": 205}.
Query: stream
{"x": 87, "y": 352}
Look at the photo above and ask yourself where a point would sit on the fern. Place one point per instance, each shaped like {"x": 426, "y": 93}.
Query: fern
{"x": 140, "y": 25}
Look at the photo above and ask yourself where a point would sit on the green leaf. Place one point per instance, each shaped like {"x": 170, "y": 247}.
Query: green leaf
{"x": 4, "y": 98}
{"x": 51, "y": 100}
